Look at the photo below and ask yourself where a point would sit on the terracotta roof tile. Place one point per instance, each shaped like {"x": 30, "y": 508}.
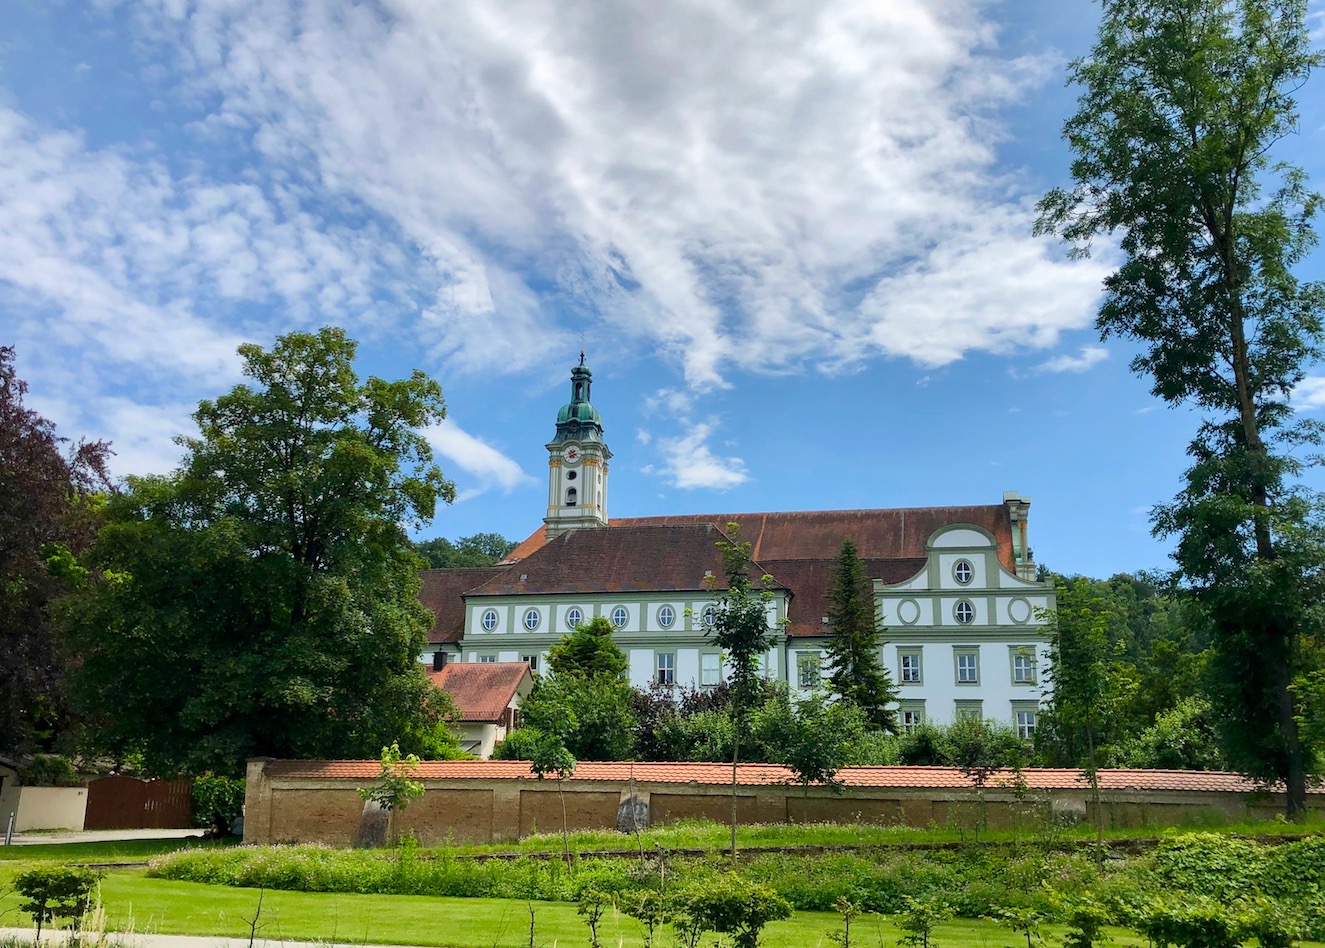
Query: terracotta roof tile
{"x": 482, "y": 691}
{"x": 443, "y": 593}
{"x": 811, "y": 584}
{"x": 926, "y": 778}
{"x": 899, "y": 533}
{"x": 630, "y": 558}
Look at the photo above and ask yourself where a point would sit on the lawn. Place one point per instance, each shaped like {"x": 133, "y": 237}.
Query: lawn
{"x": 137, "y": 903}
{"x": 125, "y": 850}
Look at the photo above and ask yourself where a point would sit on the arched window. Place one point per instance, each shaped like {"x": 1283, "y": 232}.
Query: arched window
{"x": 570, "y": 497}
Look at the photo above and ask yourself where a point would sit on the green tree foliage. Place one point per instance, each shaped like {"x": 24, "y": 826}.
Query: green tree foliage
{"x": 48, "y": 513}
{"x": 741, "y": 630}
{"x": 217, "y": 802}
{"x": 588, "y": 651}
{"x": 1182, "y": 738}
{"x": 595, "y": 714}
{"x": 395, "y": 787}
{"x": 855, "y": 658}
{"x": 1182, "y": 102}
{"x": 821, "y": 739}
{"x": 263, "y": 599}
{"x": 736, "y": 907}
{"x": 481, "y": 549}
{"x": 919, "y": 920}
{"x": 55, "y": 892}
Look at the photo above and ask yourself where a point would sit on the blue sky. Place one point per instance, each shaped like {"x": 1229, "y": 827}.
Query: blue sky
{"x": 795, "y": 237}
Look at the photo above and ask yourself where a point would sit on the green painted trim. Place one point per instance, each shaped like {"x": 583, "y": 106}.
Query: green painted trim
{"x": 910, "y": 650}
{"x": 969, "y": 708}
{"x": 1013, "y": 652}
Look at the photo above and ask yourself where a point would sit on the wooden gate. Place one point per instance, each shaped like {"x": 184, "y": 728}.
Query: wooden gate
{"x": 126, "y": 803}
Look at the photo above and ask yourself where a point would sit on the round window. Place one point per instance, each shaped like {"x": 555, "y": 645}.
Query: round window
{"x": 490, "y": 619}
{"x": 619, "y": 616}
{"x": 570, "y": 475}
{"x": 666, "y": 616}
{"x": 574, "y": 616}
{"x": 531, "y": 620}
{"x": 964, "y": 612}
{"x": 963, "y": 571}
{"x": 710, "y": 616}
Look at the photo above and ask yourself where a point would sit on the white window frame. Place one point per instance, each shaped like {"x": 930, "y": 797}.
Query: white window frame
{"x": 666, "y": 616}
{"x": 490, "y": 626}
{"x": 574, "y": 616}
{"x": 709, "y": 616}
{"x": 911, "y": 716}
{"x": 669, "y": 678}
{"x": 1026, "y": 722}
{"x": 917, "y": 659}
{"x": 624, "y": 615}
{"x": 958, "y": 612}
{"x": 972, "y": 658}
{"x": 537, "y": 619}
{"x": 957, "y": 571}
{"x": 705, "y": 671}
{"x": 487, "y": 659}
{"x": 532, "y": 660}
{"x": 1024, "y": 654}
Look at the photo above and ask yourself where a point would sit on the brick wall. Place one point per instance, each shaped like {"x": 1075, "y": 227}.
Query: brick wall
{"x": 306, "y": 805}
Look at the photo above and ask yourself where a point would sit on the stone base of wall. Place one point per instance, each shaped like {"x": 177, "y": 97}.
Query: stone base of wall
{"x": 305, "y": 809}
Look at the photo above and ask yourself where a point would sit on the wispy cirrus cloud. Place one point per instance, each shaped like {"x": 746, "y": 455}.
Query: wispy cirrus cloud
{"x": 690, "y": 463}
{"x": 1309, "y": 393}
{"x": 1087, "y": 358}
{"x": 486, "y": 467}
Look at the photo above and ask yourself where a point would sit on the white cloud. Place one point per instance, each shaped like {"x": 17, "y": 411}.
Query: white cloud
{"x": 670, "y": 400}
{"x": 477, "y": 459}
{"x": 1309, "y": 393}
{"x": 642, "y": 436}
{"x": 746, "y": 187}
{"x": 689, "y": 462}
{"x": 1090, "y": 356}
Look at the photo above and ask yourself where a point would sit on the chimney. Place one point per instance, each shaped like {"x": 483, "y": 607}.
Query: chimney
{"x": 1019, "y": 513}
{"x": 438, "y": 660}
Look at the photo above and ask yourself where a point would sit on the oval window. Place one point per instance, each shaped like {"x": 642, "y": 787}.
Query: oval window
{"x": 531, "y": 620}
{"x": 964, "y": 612}
{"x": 710, "y": 616}
{"x": 963, "y": 571}
{"x": 490, "y": 620}
{"x": 666, "y": 616}
{"x": 574, "y": 616}
{"x": 619, "y": 616}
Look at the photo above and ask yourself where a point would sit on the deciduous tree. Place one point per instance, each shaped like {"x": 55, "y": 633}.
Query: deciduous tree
{"x": 47, "y": 516}
{"x": 263, "y": 599}
{"x": 741, "y": 629}
{"x": 1182, "y": 104}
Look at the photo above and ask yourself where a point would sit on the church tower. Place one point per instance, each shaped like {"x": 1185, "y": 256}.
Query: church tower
{"x": 577, "y": 462}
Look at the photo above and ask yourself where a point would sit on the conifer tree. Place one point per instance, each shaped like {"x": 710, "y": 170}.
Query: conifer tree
{"x": 856, "y": 670}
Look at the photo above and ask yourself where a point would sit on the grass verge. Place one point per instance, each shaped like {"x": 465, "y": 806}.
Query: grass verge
{"x": 124, "y": 850}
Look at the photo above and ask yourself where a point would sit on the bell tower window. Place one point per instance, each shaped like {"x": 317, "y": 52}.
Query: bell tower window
{"x": 570, "y": 497}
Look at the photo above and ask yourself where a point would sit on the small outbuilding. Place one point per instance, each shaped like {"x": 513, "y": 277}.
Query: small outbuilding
{"x": 488, "y": 697}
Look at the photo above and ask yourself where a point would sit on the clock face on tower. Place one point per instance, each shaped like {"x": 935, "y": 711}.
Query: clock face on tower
{"x": 572, "y": 454}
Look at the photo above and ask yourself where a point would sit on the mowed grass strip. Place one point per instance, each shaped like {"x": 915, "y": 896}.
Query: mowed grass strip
{"x": 137, "y": 903}
{"x": 124, "y": 850}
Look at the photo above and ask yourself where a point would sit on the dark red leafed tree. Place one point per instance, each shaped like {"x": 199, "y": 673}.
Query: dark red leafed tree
{"x": 47, "y": 517}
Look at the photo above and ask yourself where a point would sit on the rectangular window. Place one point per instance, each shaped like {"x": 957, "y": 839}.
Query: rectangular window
{"x": 1023, "y": 666}
{"x": 968, "y": 668}
{"x": 1026, "y": 725}
{"x": 911, "y": 716}
{"x": 666, "y": 668}
{"x": 809, "y": 670}
{"x": 485, "y": 659}
{"x": 532, "y": 660}
{"x": 910, "y": 668}
{"x": 710, "y": 669}
{"x": 970, "y": 710}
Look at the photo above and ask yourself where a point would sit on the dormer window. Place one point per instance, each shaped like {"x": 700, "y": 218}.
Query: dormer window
{"x": 570, "y": 497}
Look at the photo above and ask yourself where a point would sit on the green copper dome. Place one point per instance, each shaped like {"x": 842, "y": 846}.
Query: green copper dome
{"x": 578, "y": 420}
{"x": 582, "y": 412}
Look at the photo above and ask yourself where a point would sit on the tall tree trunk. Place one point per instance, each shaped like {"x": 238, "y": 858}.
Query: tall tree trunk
{"x": 1295, "y": 776}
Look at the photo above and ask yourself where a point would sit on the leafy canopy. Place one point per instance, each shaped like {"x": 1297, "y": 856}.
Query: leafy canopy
{"x": 263, "y": 599}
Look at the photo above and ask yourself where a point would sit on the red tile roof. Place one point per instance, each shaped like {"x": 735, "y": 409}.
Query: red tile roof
{"x": 482, "y": 691}
{"x": 925, "y": 778}
{"x": 629, "y": 558}
{"x": 899, "y": 533}
{"x": 811, "y": 585}
{"x": 443, "y": 593}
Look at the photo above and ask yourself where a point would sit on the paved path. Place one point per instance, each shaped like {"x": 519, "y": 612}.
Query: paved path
{"x": 140, "y": 940}
{"x": 98, "y": 836}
